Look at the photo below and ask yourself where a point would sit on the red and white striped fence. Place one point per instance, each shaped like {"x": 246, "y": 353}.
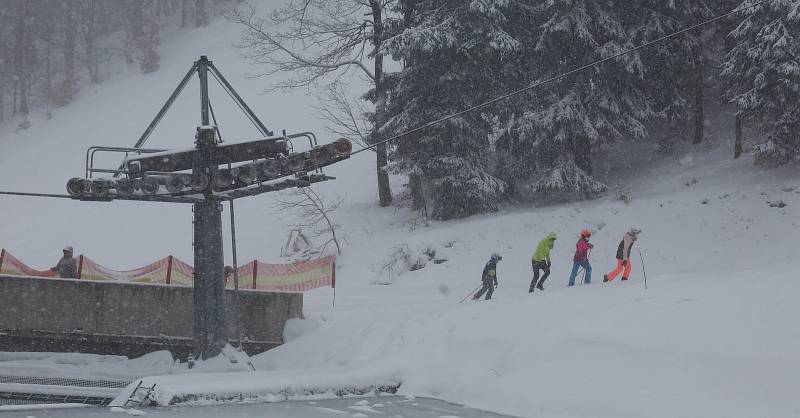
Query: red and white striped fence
{"x": 294, "y": 277}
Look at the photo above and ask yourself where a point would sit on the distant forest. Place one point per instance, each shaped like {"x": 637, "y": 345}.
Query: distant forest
{"x": 48, "y": 47}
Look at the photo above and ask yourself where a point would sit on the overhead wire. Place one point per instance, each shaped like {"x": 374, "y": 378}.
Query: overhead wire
{"x": 62, "y": 196}
{"x": 559, "y": 77}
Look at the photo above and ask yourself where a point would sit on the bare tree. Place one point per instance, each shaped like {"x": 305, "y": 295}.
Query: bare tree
{"x": 312, "y": 213}
{"x": 344, "y": 117}
{"x": 317, "y": 43}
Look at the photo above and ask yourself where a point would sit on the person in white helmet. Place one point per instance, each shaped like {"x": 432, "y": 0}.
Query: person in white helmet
{"x": 489, "y": 278}
{"x": 624, "y": 256}
{"x": 67, "y": 267}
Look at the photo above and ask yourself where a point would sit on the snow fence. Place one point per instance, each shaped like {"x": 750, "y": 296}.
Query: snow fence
{"x": 300, "y": 276}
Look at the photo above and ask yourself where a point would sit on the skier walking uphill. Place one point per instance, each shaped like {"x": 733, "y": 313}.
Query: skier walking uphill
{"x": 581, "y": 258}
{"x": 624, "y": 256}
{"x": 541, "y": 261}
{"x": 489, "y": 277}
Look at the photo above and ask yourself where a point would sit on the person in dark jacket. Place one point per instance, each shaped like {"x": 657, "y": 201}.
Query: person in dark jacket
{"x": 489, "y": 277}
{"x": 624, "y": 256}
{"x": 67, "y": 267}
{"x": 581, "y": 258}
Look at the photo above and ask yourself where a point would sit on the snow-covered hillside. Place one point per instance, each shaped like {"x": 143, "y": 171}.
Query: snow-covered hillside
{"x": 715, "y": 334}
{"x": 126, "y": 235}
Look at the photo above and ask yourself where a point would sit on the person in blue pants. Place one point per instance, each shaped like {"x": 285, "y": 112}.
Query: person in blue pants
{"x": 581, "y": 258}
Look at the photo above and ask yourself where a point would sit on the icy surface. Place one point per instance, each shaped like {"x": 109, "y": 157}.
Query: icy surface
{"x": 394, "y": 407}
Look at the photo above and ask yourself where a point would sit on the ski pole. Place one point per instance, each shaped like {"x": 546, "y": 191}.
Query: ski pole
{"x": 588, "y": 252}
{"x": 643, "y": 270}
{"x": 471, "y": 293}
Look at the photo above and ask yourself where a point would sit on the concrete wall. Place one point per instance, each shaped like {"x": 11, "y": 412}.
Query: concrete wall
{"x": 48, "y": 306}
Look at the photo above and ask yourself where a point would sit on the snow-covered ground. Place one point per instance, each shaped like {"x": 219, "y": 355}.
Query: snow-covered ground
{"x": 356, "y": 408}
{"x": 714, "y": 335}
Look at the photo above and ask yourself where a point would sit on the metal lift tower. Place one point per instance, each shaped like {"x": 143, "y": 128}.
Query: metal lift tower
{"x": 207, "y": 176}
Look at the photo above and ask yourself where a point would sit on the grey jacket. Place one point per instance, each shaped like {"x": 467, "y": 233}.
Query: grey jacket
{"x": 67, "y": 268}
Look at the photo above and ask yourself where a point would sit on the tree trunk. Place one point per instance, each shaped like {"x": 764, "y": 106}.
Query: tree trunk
{"x": 384, "y": 189}
{"x": 14, "y": 94}
{"x": 184, "y": 13}
{"x": 21, "y": 53}
{"x": 68, "y": 89}
{"x": 90, "y": 40}
{"x": 417, "y": 197}
{"x": 201, "y": 14}
{"x": 582, "y": 154}
{"x": 699, "y": 117}
{"x": 2, "y": 98}
{"x": 135, "y": 30}
{"x": 48, "y": 78}
{"x": 737, "y": 148}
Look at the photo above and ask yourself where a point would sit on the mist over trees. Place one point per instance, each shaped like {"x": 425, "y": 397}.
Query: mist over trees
{"x": 427, "y": 60}
{"x": 49, "y": 48}
{"x": 541, "y": 145}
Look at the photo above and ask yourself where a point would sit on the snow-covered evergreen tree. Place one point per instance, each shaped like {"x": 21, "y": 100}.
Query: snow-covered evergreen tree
{"x": 674, "y": 69}
{"x": 453, "y": 53}
{"x": 564, "y": 121}
{"x": 763, "y": 74}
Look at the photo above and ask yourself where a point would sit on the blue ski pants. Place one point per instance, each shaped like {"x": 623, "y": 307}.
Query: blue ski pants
{"x": 585, "y": 264}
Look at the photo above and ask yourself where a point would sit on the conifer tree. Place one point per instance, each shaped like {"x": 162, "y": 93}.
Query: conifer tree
{"x": 762, "y": 70}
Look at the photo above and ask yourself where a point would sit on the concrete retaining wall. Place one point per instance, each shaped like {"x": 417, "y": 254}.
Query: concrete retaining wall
{"x": 40, "y": 315}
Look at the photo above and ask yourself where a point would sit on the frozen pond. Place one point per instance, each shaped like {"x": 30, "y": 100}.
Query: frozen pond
{"x": 388, "y": 406}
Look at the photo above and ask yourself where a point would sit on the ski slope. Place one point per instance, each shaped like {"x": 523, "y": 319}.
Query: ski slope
{"x": 714, "y": 335}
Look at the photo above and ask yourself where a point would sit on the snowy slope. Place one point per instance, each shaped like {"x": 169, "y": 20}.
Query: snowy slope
{"x": 713, "y": 336}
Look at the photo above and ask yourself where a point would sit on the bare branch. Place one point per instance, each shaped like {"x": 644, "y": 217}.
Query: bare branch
{"x": 312, "y": 213}
{"x": 333, "y": 43}
{"x": 344, "y": 118}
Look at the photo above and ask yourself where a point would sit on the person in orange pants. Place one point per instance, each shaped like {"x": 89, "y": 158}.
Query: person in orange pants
{"x": 624, "y": 256}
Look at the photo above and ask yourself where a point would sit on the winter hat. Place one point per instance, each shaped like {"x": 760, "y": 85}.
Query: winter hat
{"x": 551, "y": 236}
{"x": 586, "y": 233}
{"x": 496, "y": 257}
{"x": 68, "y": 249}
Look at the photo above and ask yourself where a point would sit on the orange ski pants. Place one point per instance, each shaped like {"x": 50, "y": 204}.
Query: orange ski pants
{"x": 616, "y": 271}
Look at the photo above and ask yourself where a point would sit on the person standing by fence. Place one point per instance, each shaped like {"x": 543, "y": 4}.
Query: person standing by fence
{"x": 67, "y": 267}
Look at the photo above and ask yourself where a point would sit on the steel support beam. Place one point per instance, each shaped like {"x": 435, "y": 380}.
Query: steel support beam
{"x": 209, "y": 286}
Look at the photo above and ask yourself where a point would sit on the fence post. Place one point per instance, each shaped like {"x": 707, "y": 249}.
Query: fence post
{"x": 169, "y": 269}
{"x": 255, "y": 272}
{"x": 333, "y": 275}
{"x": 80, "y": 267}
{"x": 2, "y": 256}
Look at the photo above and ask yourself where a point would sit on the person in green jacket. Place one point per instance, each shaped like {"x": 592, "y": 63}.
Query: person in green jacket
{"x": 541, "y": 261}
